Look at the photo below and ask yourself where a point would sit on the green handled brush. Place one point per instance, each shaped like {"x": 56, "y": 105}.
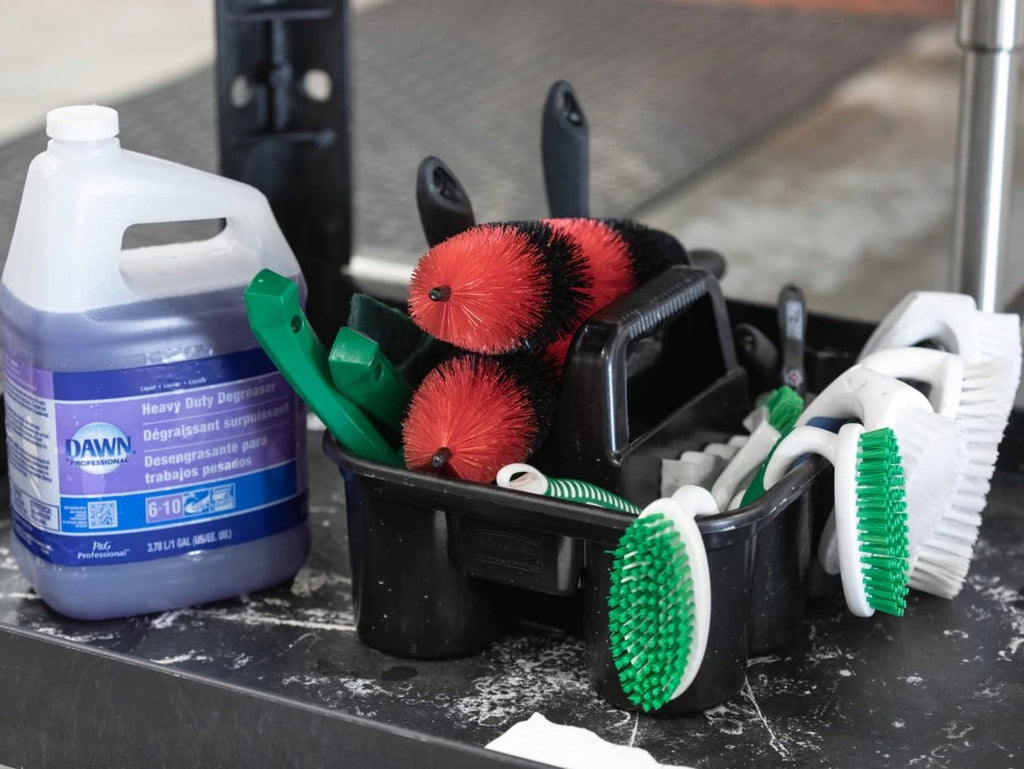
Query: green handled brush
{"x": 277, "y": 322}
{"x": 872, "y": 531}
{"x": 523, "y": 477}
{"x": 363, "y": 374}
{"x": 659, "y": 603}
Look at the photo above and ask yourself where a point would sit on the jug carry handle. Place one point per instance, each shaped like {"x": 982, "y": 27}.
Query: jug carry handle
{"x": 151, "y": 190}
{"x": 592, "y": 430}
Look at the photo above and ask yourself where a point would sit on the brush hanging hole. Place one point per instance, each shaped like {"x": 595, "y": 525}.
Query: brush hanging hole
{"x": 317, "y": 85}
{"x": 571, "y": 109}
{"x": 296, "y": 324}
{"x": 240, "y": 92}
{"x": 378, "y": 372}
{"x": 444, "y": 184}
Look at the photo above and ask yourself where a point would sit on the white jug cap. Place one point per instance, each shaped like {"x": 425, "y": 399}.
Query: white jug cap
{"x": 82, "y": 123}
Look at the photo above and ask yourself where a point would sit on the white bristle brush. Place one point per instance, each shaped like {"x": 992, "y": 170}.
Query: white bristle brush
{"x": 974, "y": 396}
{"x": 990, "y": 346}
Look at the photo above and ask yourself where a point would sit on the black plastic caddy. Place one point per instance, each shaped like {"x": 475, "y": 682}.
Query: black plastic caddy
{"x": 435, "y": 562}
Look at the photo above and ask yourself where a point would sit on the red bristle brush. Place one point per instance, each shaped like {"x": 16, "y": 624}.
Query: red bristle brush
{"x": 500, "y": 287}
{"x": 474, "y": 414}
{"x": 612, "y": 275}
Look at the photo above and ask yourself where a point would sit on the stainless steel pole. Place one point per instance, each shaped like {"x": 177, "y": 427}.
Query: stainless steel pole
{"x": 989, "y": 32}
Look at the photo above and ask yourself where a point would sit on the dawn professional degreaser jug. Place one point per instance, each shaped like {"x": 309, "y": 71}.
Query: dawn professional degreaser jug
{"x": 156, "y": 456}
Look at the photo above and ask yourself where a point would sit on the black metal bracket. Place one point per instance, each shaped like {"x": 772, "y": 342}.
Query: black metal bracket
{"x": 283, "y": 122}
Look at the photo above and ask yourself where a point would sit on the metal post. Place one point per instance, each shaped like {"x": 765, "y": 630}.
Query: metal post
{"x": 989, "y": 32}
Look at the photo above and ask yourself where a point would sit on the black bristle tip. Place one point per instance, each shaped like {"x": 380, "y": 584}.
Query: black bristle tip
{"x": 440, "y": 293}
{"x": 571, "y": 281}
{"x": 651, "y": 251}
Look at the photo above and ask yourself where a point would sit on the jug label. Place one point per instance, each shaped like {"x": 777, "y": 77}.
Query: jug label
{"x": 135, "y": 464}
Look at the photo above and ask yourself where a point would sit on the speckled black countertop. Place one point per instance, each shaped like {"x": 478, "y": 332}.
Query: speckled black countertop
{"x": 280, "y": 678}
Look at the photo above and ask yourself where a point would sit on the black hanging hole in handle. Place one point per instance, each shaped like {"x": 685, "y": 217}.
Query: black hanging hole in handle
{"x": 445, "y": 185}
{"x": 571, "y": 108}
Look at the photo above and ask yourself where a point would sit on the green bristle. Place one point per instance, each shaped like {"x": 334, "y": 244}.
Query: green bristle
{"x": 651, "y": 613}
{"x": 784, "y": 407}
{"x": 882, "y": 530}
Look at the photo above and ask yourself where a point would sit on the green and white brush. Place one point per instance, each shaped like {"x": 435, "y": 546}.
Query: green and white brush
{"x": 932, "y": 454}
{"x": 975, "y": 397}
{"x": 871, "y": 521}
{"x": 659, "y": 603}
{"x": 782, "y": 409}
{"x": 523, "y": 477}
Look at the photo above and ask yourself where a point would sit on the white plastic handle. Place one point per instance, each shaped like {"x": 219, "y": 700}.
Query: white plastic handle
{"x": 522, "y": 477}
{"x": 942, "y": 371}
{"x": 147, "y": 190}
{"x": 944, "y": 317}
{"x": 847, "y": 540}
{"x": 681, "y": 509}
{"x": 744, "y": 462}
{"x": 874, "y": 399}
{"x": 84, "y": 191}
{"x": 696, "y": 499}
{"x": 801, "y": 441}
{"x": 841, "y": 450}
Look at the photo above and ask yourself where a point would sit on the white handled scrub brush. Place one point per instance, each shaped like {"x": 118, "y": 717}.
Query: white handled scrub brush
{"x": 659, "y": 603}
{"x": 974, "y": 396}
{"x": 932, "y": 457}
{"x": 871, "y": 524}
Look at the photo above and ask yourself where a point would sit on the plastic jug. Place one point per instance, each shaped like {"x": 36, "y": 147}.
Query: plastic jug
{"x": 157, "y": 458}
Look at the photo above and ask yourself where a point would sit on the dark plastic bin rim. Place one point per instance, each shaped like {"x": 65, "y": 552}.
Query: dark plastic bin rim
{"x": 491, "y": 503}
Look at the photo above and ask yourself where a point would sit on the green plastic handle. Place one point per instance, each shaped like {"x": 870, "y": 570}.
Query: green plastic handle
{"x": 363, "y": 374}
{"x": 277, "y": 321}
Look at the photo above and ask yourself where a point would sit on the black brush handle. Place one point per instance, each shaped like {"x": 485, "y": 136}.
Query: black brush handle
{"x": 444, "y": 206}
{"x": 565, "y": 153}
{"x": 792, "y": 337}
{"x": 707, "y": 259}
{"x": 758, "y": 355}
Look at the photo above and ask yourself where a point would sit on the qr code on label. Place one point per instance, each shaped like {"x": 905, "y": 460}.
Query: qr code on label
{"x": 103, "y": 515}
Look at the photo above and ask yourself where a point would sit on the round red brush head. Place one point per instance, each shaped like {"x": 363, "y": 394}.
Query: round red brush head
{"x": 481, "y": 290}
{"x": 470, "y": 417}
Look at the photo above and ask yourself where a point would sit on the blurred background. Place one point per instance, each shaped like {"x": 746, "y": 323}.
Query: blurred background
{"x": 809, "y": 141}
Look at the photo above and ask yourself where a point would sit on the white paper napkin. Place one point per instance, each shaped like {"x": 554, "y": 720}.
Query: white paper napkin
{"x": 571, "y": 747}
